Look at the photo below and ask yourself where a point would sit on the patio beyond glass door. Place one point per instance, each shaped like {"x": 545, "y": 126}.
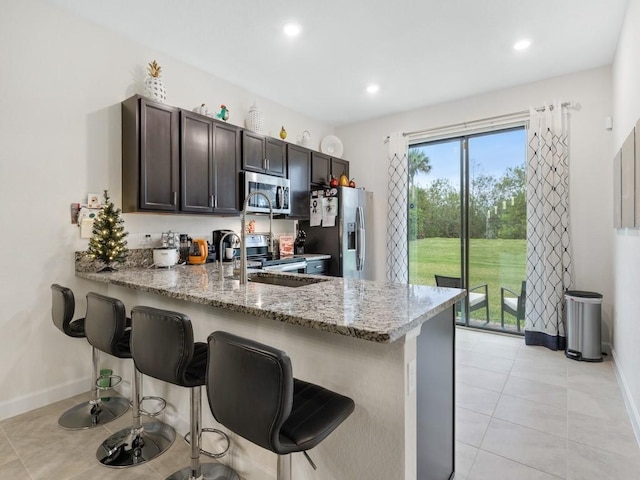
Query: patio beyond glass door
{"x": 467, "y": 223}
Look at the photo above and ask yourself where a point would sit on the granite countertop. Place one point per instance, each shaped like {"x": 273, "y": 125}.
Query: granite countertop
{"x": 375, "y": 311}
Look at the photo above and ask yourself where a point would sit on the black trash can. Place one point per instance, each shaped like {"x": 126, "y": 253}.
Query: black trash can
{"x": 583, "y": 315}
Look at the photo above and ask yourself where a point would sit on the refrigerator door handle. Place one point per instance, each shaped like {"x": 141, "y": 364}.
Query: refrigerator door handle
{"x": 360, "y": 236}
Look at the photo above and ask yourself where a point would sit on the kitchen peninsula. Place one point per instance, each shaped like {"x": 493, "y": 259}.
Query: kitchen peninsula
{"x": 388, "y": 346}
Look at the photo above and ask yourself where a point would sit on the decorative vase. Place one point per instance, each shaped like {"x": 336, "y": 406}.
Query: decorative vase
{"x": 255, "y": 119}
{"x": 283, "y": 133}
{"x": 154, "y": 89}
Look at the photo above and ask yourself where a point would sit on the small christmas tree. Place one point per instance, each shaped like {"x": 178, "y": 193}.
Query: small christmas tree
{"x": 108, "y": 242}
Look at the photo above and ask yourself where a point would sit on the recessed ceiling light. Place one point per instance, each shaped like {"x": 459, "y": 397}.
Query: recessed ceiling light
{"x": 292, "y": 29}
{"x": 373, "y": 88}
{"x": 522, "y": 44}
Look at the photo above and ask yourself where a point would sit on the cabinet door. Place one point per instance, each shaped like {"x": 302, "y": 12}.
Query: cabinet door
{"x": 158, "y": 185}
{"x": 196, "y": 163}
{"x": 320, "y": 168}
{"x": 276, "y": 157}
{"x": 253, "y": 153}
{"x": 339, "y": 166}
{"x": 299, "y": 175}
{"x": 226, "y": 156}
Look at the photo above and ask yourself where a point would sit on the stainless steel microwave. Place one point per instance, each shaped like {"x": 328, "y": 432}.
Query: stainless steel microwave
{"x": 276, "y": 188}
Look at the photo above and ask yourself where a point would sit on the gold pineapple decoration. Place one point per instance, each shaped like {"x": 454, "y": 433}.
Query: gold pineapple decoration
{"x": 153, "y": 86}
{"x": 154, "y": 69}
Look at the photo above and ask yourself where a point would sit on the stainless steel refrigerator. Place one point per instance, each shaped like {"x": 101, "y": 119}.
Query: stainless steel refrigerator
{"x": 346, "y": 241}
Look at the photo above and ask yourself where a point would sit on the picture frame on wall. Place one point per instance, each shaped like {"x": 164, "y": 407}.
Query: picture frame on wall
{"x": 627, "y": 187}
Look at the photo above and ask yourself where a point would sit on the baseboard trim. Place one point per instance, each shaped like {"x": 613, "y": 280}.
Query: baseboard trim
{"x": 632, "y": 408}
{"x": 41, "y": 398}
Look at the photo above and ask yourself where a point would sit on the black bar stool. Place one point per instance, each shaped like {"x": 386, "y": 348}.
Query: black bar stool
{"x": 163, "y": 347}
{"x": 252, "y": 392}
{"x": 97, "y": 411}
{"x": 107, "y": 330}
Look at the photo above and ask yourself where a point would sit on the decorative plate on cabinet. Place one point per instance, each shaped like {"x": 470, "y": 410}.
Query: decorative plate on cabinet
{"x": 331, "y": 145}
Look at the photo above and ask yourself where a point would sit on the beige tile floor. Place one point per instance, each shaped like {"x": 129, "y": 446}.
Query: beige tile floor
{"x": 523, "y": 413}
{"x": 527, "y": 413}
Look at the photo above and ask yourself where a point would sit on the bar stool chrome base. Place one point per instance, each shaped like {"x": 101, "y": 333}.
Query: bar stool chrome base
{"x": 88, "y": 415}
{"x": 130, "y": 446}
{"x": 209, "y": 471}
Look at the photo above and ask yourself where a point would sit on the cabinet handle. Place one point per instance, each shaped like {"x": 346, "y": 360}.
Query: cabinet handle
{"x": 266, "y": 164}
{"x": 215, "y": 201}
{"x": 174, "y": 200}
{"x": 211, "y": 197}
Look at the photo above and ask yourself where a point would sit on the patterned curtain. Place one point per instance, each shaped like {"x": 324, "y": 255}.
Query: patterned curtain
{"x": 548, "y": 240}
{"x": 397, "y": 238}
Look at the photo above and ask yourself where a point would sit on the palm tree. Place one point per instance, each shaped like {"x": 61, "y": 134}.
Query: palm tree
{"x": 418, "y": 162}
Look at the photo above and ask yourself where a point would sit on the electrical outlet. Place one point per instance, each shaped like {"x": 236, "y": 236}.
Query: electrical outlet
{"x": 144, "y": 239}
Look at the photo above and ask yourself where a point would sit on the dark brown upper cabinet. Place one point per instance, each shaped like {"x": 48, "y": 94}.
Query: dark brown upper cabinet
{"x": 339, "y": 167}
{"x": 320, "y": 168}
{"x": 177, "y": 161}
{"x": 197, "y": 170}
{"x": 150, "y": 156}
{"x": 263, "y": 154}
{"x": 226, "y": 154}
{"x": 299, "y": 175}
{"x": 210, "y": 151}
{"x": 323, "y": 167}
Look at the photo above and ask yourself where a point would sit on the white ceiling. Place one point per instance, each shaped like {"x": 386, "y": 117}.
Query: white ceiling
{"x": 420, "y": 52}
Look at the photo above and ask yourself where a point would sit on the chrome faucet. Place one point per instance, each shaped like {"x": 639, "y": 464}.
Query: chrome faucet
{"x": 221, "y": 253}
{"x": 243, "y": 229}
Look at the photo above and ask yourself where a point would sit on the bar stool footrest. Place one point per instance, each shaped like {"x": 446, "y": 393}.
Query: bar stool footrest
{"x": 187, "y": 439}
{"x": 117, "y": 379}
{"x": 146, "y": 413}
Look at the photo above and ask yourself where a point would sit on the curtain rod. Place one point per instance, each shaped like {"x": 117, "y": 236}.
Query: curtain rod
{"x": 481, "y": 120}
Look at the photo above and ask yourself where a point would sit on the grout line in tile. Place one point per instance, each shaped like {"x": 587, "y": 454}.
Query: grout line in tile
{"x": 15, "y": 450}
{"x": 520, "y": 463}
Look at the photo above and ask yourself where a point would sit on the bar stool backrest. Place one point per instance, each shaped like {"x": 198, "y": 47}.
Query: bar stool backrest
{"x": 250, "y": 388}
{"x": 162, "y": 345}
{"x": 63, "y": 306}
{"x": 106, "y": 325}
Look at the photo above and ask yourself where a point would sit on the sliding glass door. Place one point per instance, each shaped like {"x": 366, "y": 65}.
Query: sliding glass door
{"x": 467, "y": 223}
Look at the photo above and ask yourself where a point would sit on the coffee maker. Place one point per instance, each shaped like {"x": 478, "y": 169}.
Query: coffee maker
{"x": 231, "y": 241}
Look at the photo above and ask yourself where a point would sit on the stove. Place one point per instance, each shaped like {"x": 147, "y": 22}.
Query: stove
{"x": 257, "y": 246}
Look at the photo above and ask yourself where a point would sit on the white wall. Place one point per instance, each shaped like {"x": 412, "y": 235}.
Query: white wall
{"x": 62, "y": 82}
{"x": 626, "y": 109}
{"x": 591, "y": 175}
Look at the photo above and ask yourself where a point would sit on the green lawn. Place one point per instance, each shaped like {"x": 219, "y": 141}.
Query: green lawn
{"x": 498, "y": 263}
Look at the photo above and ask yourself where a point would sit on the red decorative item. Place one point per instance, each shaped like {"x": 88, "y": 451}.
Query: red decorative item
{"x": 333, "y": 183}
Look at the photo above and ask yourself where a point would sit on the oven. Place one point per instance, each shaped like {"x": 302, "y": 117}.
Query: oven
{"x": 257, "y": 246}
{"x": 291, "y": 265}
{"x": 276, "y": 188}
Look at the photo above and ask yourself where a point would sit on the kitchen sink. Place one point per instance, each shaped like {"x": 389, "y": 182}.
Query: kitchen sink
{"x": 283, "y": 281}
